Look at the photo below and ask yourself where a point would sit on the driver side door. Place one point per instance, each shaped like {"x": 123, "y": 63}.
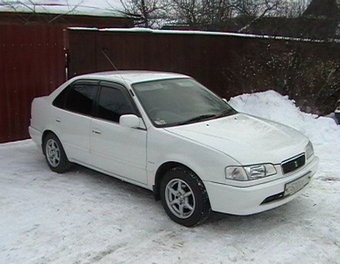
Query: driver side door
{"x": 114, "y": 148}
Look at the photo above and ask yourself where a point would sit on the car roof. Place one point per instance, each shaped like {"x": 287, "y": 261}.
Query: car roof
{"x": 130, "y": 77}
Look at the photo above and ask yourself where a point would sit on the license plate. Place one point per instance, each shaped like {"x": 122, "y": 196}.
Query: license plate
{"x": 296, "y": 185}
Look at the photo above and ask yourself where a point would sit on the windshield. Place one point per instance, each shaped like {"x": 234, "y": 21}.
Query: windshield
{"x": 179, "y": 101}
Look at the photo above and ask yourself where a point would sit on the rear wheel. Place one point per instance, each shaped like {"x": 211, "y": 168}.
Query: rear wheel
{"x": 55, "y": 154}
{"x": 184, "y": 197}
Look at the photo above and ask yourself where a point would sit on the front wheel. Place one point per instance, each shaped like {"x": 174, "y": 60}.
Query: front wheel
{"x": 55, "y": 154}
{"x": 184, "y": 197}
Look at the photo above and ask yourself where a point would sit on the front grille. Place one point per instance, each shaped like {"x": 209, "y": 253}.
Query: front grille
{"x": 293, "y": 163}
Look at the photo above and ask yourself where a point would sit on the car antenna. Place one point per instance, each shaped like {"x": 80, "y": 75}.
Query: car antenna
{"x": 114, "y": 66}
{"x": 108, "y": 58}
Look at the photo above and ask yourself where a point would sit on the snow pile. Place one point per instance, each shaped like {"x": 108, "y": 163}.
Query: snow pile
{"x": 322, "y": 131}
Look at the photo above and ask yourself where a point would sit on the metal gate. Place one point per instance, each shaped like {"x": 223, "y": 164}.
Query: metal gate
{"x": 32, "y": 63}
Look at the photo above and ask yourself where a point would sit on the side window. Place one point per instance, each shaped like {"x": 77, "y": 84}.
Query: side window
{"x": 59, "y": 101}
{"x": 80, "y": 98}
{"x": 112, "y": 104}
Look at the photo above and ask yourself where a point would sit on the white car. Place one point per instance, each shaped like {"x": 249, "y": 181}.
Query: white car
{"x": 169, "y": 134}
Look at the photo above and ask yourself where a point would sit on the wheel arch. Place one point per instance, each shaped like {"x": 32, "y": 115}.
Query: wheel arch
{"x": 57, "y": 160}
{"x": 161, "y": 172}
{"x": 46, "y": 132}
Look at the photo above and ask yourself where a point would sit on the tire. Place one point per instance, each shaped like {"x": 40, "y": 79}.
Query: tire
{"x": 55, "y": 154}
{"x": 184, "y": 197}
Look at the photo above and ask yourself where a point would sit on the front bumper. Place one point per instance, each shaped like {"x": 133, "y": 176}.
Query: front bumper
{"x": 258, "y": 198}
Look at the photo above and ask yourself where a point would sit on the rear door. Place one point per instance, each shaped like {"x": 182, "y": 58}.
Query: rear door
{"x": 116, "y": 149}
{"x": 72, "y": 118}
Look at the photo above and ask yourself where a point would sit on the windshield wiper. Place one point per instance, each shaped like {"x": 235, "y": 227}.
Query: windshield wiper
{"x": 227, "y": 113}
{"x": 197, "y": 118}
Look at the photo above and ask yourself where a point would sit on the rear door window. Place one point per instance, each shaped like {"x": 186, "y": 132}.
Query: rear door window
{"x": 79, "y": 97}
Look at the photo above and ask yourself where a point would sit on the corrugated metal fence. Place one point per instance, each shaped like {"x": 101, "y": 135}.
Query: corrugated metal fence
{"x": 199, "y": 55}
{"x": 32, "y": 63}
{"x": 229, "y": 64}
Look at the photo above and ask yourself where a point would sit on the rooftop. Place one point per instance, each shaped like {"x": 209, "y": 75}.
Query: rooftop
{"x": 70, "y": 7}
{"x": 131, "y": 77}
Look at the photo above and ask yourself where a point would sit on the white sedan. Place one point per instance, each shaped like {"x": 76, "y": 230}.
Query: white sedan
{"x": 169, "y": 134}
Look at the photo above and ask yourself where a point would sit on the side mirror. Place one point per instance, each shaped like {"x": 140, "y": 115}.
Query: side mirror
{"x": 131, "y": 121}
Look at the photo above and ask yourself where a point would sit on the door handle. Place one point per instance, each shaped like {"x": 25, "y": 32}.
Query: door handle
{"x": 95, "y": 131}
{"x": 57, "y": 120}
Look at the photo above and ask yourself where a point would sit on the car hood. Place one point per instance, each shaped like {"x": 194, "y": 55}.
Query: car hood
{"x": 247, "y": 139}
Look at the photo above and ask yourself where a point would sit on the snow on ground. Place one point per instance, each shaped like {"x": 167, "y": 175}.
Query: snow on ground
{"x": 87, "y": 217}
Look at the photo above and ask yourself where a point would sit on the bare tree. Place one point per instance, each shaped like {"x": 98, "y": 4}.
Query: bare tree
{"x": 16, "y": 5}
{"x": 202, "y": 13}
{"x": 207, "y": 13}
{"x": 257, "y": 9}
{"x": 145, "y": 12}
{"x": 188, "y": 11}
{"x": 216, "y": 12}
{"x": 212, "y": 14}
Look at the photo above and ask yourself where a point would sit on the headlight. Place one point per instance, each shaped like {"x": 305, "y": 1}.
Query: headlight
{"x": 253, "y": 172}
{"x": 236, "y": 173}
{"x": 309, "y": 150}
